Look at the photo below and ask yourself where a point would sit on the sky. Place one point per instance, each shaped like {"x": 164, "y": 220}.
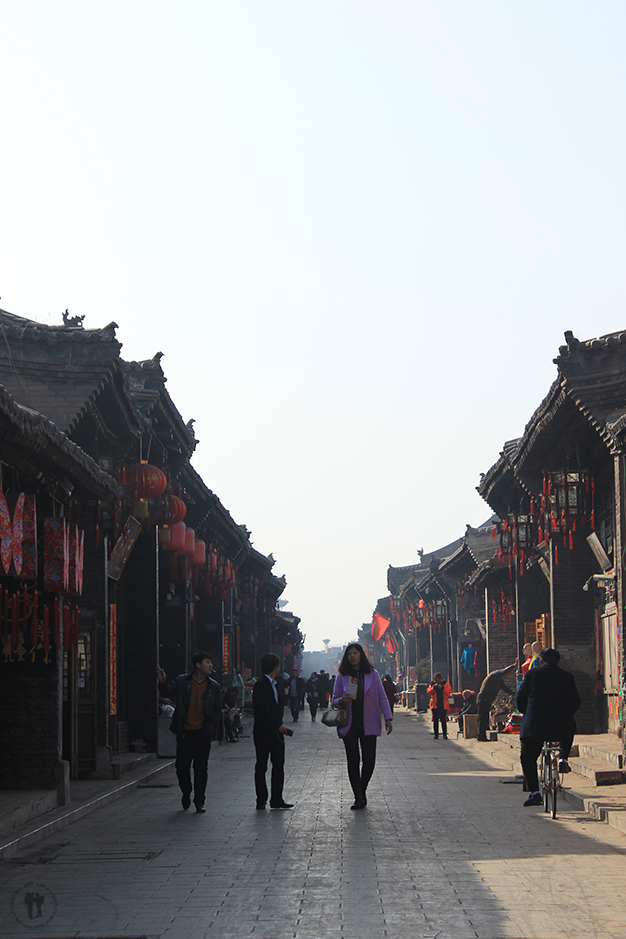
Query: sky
{"x": 357, "y": 231}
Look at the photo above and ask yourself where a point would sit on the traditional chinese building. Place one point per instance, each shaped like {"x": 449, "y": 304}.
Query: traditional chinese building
{"x": 166, "y": 568}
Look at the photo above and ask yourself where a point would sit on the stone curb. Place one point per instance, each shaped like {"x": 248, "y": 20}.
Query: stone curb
{"x": 68, "y": 815}
{"x": 611, "y": 811}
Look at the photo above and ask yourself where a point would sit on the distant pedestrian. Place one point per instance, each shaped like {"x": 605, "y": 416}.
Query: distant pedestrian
{"x": 535, "y": 661}
{"x": 489, "y": 690}
{"x": 197, "y": 700}
{"x": 439, "y": 691}
{"x": 323, "y": 683}
{"x": 296, "y": 686}
{"x": 359, "y": 689}
{"x": 390, "y": 690}
{"x": 312, "y": 694}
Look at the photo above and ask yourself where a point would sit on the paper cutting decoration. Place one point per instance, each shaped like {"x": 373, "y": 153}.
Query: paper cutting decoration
{"x": 11, "y": 535}
{"x": 18, "y": 533}
{"x": 6, "y": 535}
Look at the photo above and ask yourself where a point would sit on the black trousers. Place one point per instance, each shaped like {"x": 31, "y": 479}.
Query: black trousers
{"x": 530, "y": 748}
{"x": 313, "y": 707}
{"x": 484, "y": 706}
{"x": 360, "y": 766}
{"x": 294, "y": 707}
{"x": 193, "y": 747}
{"x": 439, "y": 715}
{"x": 267, "y": 748}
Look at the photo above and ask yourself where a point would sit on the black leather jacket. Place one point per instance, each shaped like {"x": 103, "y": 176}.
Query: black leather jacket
{"x": 180, "y": 692}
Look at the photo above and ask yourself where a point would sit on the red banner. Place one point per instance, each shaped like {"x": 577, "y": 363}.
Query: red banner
{"x": 113, "y": 660}
{"x": 226, "y": 655}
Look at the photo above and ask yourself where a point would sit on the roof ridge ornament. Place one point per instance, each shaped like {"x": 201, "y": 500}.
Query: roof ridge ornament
{"x": 73, "y": 322}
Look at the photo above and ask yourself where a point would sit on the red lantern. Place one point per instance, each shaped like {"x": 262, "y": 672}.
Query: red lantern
{"x": 198, "y": 557}
{"x": 173, "y": 536}
{"x": 150, "y": 481}
{"x": 178, "y": 510}
{"x": 189, "y": 546}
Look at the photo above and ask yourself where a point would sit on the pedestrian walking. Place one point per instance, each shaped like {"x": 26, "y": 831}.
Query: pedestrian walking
{"x": 312, "y": 694}
{"x": 489, "y": 690}
{"x": 323, "y": 683}
{"x": 269, "y": 734}
{"x": 296, "y": 686}
{"x": 359, "y": 689}
{"x": 197, "y": 700}
{"x": 439, "y": 691}
{"x": 548, "y": 699}
{"x": 390, "y": 690}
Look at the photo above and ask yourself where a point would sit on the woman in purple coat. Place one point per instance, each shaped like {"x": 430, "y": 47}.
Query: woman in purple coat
{"x": 359, "y": 689}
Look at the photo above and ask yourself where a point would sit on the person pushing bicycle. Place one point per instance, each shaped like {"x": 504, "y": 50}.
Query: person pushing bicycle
{"x": 548, "y": 699}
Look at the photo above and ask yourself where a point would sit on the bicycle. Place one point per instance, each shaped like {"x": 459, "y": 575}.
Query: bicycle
{"x": 549, "y": 775}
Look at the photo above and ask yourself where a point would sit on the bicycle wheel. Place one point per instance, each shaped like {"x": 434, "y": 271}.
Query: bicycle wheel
{"x": 554, "y": 784}
{"x": 544, "y": 776}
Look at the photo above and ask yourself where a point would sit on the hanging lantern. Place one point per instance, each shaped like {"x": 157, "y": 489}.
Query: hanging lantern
{"x": 149, "y": 480}
{"x": 177, "y": 511}
{"x": 198, "y": 557}
{"x": 173, "y": 536}
{"x": 189, "y": 545}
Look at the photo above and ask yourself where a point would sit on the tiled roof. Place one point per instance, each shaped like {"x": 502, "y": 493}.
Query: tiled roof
{"x": 31, "y": 436}
{"x": 60, "y": 370}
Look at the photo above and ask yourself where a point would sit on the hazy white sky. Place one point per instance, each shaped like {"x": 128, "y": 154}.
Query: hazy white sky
{"x": 357, "y": 230}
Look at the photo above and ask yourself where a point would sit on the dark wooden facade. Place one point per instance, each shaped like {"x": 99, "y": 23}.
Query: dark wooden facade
{"x": 154, "y": 608}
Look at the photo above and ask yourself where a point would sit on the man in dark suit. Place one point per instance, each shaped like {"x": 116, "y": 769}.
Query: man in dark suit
{"x": 548, "y": 699}
{"x": 269, "y": 734}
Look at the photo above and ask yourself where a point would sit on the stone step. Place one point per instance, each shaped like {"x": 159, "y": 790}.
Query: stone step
{"x": 601, "y": 754}
{"x": 597, "y": 771}
{"x": 131, "y": 762}
{"x": 19, "y": 806}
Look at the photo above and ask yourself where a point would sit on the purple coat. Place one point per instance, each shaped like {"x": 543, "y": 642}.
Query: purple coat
{"x": 374, "y": 702}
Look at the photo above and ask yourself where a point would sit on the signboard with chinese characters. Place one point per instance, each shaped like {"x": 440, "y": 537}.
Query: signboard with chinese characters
{"x": 123, "y": 547}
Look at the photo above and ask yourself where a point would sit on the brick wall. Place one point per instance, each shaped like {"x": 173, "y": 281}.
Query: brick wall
{"x": 501, "y": 635}
{"x": 29, "y": 729}
{"x": 573, "y": 625}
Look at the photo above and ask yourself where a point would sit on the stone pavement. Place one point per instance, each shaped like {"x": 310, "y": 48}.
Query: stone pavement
{"x": 444, "y": 849}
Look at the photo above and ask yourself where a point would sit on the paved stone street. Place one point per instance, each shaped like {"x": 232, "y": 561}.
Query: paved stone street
{"x": 444, "y": 849}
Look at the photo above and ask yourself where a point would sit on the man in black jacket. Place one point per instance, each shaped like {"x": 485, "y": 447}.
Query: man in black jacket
{"x": 548, "y": 699}
{"x": 197, "y": 698}
{"x": 269, "y": 734}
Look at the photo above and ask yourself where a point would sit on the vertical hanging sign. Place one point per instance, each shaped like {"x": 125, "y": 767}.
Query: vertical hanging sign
{"x": 226, "y": 654}
{"x": 113, "y": 660}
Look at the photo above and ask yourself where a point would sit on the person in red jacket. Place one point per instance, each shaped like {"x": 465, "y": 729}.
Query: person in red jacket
{"x": 439, "y": 691}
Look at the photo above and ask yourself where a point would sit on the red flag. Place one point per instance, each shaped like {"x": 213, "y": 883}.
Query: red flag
{"x": 392, "y": 644}
{"x": 379, "y": 626}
